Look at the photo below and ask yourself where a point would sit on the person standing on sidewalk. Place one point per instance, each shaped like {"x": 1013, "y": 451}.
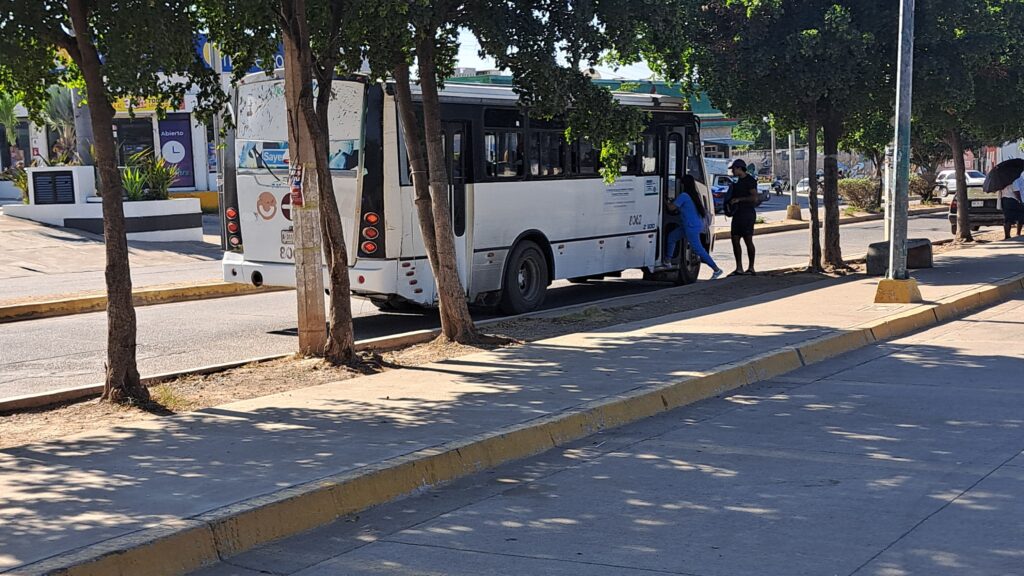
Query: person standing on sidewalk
{"x": 743, "y": 196}
{"x": 694, "y": 221}
{"x": 1013, "y": 207}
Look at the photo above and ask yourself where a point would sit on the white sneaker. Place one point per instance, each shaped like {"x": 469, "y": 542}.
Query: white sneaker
{"x": 717, "y": 274}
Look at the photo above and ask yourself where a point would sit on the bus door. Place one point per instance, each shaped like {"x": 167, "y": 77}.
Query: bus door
{"x": 456, "y": 149}
{"x": 672, "y": 177}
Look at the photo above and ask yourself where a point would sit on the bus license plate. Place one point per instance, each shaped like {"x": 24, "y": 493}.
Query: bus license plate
{"x": 977, "y": 203}
{"x": 287, "y": 237}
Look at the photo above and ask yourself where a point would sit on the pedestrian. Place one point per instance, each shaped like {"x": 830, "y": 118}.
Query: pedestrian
{"x": 743, "y": 197}
{"x": 1013, "y": 207}
{"x": 693, "y": 216}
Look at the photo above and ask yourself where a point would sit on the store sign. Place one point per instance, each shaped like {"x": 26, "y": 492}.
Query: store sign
{"x": 208, "y": 51}
{"x": 176, "y": 147}
{"x": 142, "y": 105}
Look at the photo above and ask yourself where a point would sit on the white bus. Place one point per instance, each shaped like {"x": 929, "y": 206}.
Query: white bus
{"x": 528, "y": 207}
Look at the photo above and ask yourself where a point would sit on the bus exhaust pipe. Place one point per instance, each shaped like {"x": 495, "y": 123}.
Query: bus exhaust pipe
{"x": 257, "y": 279}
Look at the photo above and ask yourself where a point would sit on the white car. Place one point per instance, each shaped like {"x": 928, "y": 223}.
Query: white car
{"x": 946, "y": 181}
{"x": 803, "y": 187}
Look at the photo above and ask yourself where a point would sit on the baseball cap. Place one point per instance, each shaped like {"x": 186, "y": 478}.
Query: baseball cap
{"x": 739, "y": 163}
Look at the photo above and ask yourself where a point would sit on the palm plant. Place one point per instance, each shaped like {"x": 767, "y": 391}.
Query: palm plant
{"x": 59, "y": 116}
{"x": 133, "y": 179}
{"x": 8, "y": 118}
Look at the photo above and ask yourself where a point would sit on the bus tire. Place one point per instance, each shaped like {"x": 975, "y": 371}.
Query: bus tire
{"x": 689, "y": 265}
{"x": 526, "y": 279}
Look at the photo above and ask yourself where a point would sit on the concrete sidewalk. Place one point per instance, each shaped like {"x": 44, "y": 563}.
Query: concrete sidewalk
{"x": 92, "y": 488}
{"x": 45, "y": 262}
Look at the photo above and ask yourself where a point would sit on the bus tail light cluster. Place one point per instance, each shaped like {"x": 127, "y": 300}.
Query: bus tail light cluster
{"x": 234, "y": 229}
{"x": 371, "y": 234}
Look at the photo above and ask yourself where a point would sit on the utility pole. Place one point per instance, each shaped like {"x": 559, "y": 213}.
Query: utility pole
{"x": 305, "y": 201}
{"x": 887, "y": 196}
{"x": 775, "y": 157}
{"x": 793, "y": 210}
{"x": 898, "y": 287}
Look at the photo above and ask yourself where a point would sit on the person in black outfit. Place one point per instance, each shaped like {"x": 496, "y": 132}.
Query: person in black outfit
{"x": 744, "y": 214}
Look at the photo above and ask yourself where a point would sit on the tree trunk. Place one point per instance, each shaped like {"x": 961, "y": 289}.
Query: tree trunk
{"x": 456, "y": 323}
{"x": 877, "y": 159}
{"x": 417, "y": 161}
{"x": 305, "y": 217}
{"x": 122, "y": 383}
{"x": 963, "y": 212}
{"x": 812, "y": 195}
{"x": 833, "y": 128}
{"x": 340, "y": 344}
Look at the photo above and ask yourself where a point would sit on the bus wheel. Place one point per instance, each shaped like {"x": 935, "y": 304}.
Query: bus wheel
{"x": 689, "y": 265}
{"x": 398, "y": 305}
{"x": 526, "y": 279}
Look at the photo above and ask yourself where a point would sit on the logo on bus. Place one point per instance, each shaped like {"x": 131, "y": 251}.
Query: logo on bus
{"x": 286, "y": 206}
{"x": 266, "y": 205}
{"x": 275, "y": 158}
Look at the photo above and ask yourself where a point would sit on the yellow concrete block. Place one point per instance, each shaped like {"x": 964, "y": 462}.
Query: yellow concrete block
{"x": 793, "y": 212}
{"x": 208, "y": 200}
{"x": 897, "y": 292}
{"x": 834, "y": 345}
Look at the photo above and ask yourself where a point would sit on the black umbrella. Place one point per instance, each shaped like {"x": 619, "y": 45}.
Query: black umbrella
{"x": 1004, "y": 174}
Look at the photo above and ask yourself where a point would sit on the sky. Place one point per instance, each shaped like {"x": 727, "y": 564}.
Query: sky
{"x": 469, "y": 58}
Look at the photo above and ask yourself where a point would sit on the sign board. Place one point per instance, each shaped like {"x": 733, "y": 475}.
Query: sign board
{"x": 176, "y": 148}
{"x": 295, "y": 177}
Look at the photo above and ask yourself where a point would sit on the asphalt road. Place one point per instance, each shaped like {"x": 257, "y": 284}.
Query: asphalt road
{"x": 892, "y": 460}
{"x": 54, "y": 353}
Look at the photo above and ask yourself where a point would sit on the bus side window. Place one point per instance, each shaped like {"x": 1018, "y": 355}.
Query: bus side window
{"x": 649, "y": 155}
{"x": 504, "y": 154}
{"x": 587, "y": 157}
{"x": 694, "y": 166}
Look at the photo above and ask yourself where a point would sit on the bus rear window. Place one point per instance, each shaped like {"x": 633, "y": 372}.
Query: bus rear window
{"x": 504, "y": 154}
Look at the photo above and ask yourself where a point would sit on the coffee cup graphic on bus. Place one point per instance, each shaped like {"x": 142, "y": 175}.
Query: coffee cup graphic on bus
{"x": 266, "y": 205}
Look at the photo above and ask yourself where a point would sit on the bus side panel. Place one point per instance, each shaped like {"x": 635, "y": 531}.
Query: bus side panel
{"x": 593, "y": 228}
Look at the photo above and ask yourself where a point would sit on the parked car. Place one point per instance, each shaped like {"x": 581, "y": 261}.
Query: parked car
{"x": 983, "y": 206}
{"x": 946, "y": 181}
{"x": 764, "y": 191}
{"x": 719, "y": 186}
{"x": 803, "y": 186}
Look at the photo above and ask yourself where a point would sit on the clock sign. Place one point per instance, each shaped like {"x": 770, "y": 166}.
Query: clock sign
{"x": 176, "y": 147}
{"x": 173, "y": 151}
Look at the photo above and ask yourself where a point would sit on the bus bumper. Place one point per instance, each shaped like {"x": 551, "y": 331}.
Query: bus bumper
{"x": 374, "y": 279}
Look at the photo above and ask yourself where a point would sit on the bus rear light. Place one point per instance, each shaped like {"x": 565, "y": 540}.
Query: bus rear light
{"x": 406, "y": 264}
{"x": 369, "y": 247}
{"x": 233, "y": 227}
{"x": 234, "y": 240}
{"x": 370, "y": 233}
{"x": 413, "y": 282}
{"x": 231, "y": 213}
{"x": 371, "y": 218}
{"x": 361, "y": 280}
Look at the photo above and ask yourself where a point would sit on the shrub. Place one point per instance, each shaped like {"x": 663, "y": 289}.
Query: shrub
{"x": 921, "y": 188}
{"x": 133, "y": 179}
{"x": 861, "y": 193}
{"x": 19, "y": 177}
{"x": 157, "y": 175}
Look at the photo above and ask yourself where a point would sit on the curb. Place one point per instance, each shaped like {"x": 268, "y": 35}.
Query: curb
{"x": 140, "y": 297}
{"x": 804, "y": 225}
{"x": 191, "y": 543}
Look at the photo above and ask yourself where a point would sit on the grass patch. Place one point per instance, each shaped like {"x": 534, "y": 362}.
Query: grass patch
{"x": 760, "y": 220}
{"x": 169, "y": 398}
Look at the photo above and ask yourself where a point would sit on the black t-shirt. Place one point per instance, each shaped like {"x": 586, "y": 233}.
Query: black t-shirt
{"x": 745, "y": 187}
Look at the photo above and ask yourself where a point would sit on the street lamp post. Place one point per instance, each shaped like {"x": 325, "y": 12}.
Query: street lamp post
{"x": 793, "y": 210}
{"x": 898, "y": 286}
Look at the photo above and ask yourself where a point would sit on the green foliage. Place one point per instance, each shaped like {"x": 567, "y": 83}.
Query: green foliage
{"x": 757, "y": 131}
{"x": 133, "y": 180}
{"x": 921, "y": 187}
{"x": 8, "y": 119}
{"x": 148, "y": 52}
{"x": 969, "y": 68}
{"x": 59, "y": 116}
{"x": 18, "y": 176}
{"x": 153, "y": 175}
{"x": 860, "y": 193}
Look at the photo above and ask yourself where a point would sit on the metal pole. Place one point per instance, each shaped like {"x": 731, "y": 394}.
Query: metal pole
{"x": 901, "y": 180}
{"x": 887, "y": 187}
{"x": 792, "y": 172}
{"x": 774, "y": 173}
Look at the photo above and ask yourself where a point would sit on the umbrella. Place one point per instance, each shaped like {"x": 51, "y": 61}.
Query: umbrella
{"x": 1004, "y": 174}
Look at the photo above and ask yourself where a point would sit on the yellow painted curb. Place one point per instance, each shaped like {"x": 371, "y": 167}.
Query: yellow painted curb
{"x": 141, "y": 297}
{"x": 233, "y": 529}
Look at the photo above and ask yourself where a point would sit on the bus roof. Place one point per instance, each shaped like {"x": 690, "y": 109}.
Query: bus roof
{"x": 503, "y": 95}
